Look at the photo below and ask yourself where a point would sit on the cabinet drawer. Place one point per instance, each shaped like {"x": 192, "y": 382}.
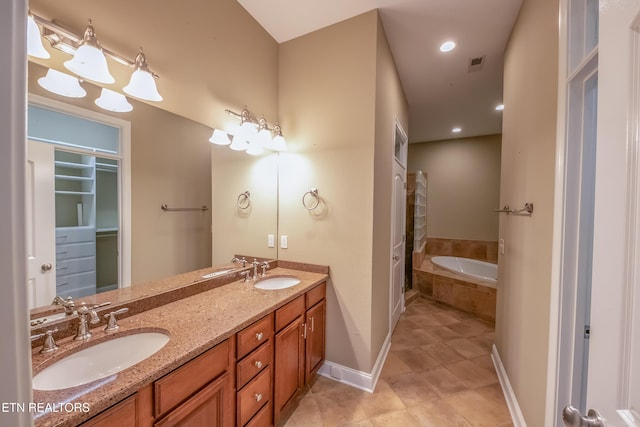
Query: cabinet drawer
{"x": 75, "y": 235}
{"x": 76, "y": 285}
{"x": 254, "y": 335}
{"x": 254, "y": 363}
{"x": 288, "y": 313}
{"x": 75, "y": 250}
{"x": 254, "y": 396}
{"x": 76, "y": 265}
{"x": 316, "y": 294}
{"x": 263, "y": 418}
{"x": 177, "y": 386}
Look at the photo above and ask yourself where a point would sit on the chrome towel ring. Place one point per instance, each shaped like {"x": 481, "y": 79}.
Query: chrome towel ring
{"x": 311, "y": 199}
{"x": 244, "y": 200}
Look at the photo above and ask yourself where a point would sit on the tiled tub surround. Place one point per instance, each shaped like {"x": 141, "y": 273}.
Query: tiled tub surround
{"x": 469, "y": 295}
{"x": 195, "y": 324}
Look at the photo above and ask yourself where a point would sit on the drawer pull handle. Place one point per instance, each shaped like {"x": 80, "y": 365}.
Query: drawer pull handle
{"x": 312, "y": 324}
{"x": 258, "y": 364}
{"x": 258, "y": 397}
{"x": 259, "y": 336}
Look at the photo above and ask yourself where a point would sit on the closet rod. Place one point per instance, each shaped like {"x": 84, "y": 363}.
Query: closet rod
{"x": 168, "y": 209}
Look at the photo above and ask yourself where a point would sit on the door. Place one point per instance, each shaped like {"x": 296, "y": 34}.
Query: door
{"x": 612, "y": 363}
{"x": 289, "y": 366}
{"x": 315, "y": 339}
{"x": 41, "y": 239}
{"x": 398, "y": 220}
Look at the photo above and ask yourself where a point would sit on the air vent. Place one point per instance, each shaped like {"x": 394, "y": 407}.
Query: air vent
{"x": 476, "y": 63}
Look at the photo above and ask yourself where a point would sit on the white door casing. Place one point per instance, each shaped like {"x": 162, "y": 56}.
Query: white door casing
{"x": 613, "y": 372}
{"x": 41, "y": 240}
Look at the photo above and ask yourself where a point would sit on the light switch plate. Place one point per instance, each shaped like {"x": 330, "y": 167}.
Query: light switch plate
{"x": 284, "y": 242}
{"x": 271, "y": 241}
{"x": 501, "y": 246}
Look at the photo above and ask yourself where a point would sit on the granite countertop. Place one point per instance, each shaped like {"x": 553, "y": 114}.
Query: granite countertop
{"x": 194, "y": 324}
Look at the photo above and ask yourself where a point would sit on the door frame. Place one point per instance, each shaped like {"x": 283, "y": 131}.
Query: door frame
{"x": 395, "y": 162}
{"x": 124, "y": 178}
{"x": 616, "y": 279}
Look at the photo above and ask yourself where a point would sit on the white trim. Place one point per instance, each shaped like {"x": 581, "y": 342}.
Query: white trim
{"x": 124, "y": 157}
{"x": 512, "y": 402}
{"x": 358, "y": 379}
{"x": 15, "y": 361}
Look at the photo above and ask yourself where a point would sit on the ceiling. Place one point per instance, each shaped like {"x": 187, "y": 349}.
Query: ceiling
{"x": 441, "y": 91}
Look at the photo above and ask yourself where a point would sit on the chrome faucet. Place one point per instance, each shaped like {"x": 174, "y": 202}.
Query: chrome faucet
{"x": 68, "y": 304}
{"x": 238, "y": 260}
{"x": 255, "y": 264}
{"x": 264, "y": 266}
{"x": 112, "y": 324}
{"x": 83, "y": 332}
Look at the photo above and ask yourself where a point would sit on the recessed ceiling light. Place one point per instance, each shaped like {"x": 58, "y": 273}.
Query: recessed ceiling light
{"x": 456, "y": 130}
{"x": 447, "y": 46}
{"x": 500, "y": 107}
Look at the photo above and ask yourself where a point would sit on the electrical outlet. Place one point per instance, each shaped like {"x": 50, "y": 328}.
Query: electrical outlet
{"x": 271, "y": 241}
{"x": 284, "y": 242}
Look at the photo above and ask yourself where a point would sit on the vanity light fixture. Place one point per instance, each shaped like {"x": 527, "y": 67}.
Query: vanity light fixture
{"x": 113, "y": 101}
{"x": 89, "y": 60}
{"x": 456, "y": 130}
{"x": 142, "y": 84}
{"x": 34, "y": 40}
{"x": 250, "y": 135}
{"x": 62, "y": 84}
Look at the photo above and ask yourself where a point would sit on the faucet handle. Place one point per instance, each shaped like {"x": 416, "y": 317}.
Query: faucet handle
{"x": 245, "y": 275}
{"x": 112, "y": 324}
{"x": 264, "y": 266}
{"x": 49, "y": 344}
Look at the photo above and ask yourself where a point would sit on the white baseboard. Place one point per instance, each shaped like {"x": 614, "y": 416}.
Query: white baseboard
{"x": 509, "y": 395}
{"x": 358, "y": 379}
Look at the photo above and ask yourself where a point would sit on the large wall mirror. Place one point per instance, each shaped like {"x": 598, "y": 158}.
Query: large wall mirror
{"x": 171, "y": 163}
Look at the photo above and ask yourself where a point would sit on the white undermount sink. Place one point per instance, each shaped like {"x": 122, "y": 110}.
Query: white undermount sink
{"x": 277, "y": 282}
{"x": 99, "y": 361}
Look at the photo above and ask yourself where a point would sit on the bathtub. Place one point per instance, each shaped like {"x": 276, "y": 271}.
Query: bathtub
{"x": 480, "y": 270}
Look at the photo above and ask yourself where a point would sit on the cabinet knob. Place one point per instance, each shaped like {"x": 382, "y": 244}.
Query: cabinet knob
{"x": 259, "y": 336}
{"x": 258, "y": 364}
{"x": 258, "y": 397}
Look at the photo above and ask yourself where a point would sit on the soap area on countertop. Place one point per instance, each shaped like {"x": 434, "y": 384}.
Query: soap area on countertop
{"x": 195, "y": 313}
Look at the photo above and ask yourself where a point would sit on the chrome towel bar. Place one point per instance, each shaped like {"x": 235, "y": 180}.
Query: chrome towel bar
{"x": 168, "y": 209}
{"x": 527, "y": 210}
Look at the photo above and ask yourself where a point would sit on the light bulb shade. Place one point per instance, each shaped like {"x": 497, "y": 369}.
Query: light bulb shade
{"x": 62, "y": 84}
{"x": 239, "y": 144}
{"x": 220, "y": 138}
{"x": 113, "y": 101}
{"x": 265, "y": 138}
{"x": 34, "y": 40}
{"x": 142, "y": 85}
{"x": 89, "y": 62}
{"x": 255, "y": 148}
{"x": 278, "y": 143}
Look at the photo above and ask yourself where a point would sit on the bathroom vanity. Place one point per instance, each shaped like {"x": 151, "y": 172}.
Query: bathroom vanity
{"x": 237, "y": 355}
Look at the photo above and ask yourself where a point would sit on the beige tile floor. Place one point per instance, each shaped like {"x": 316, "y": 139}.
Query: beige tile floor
{"x": 438, "y": 373}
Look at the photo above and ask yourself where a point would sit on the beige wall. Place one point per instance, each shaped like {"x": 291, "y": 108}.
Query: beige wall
{"x": 391, "y": 104}
{"x": 528, "y": 165}
{"x": 338, "y": 97}
{"x": 327, "y": 105}
{"x": 463, "y": 186}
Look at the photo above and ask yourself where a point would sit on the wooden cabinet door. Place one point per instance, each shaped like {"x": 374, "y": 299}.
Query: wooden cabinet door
{"x": 289, "y": 366}
{"x": 209, "y": 407}
{"x": 123, "y": 414}
{"x": 315, "y": 339}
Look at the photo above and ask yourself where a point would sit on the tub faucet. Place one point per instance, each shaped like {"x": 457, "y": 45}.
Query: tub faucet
{"x": 67, "y": 304}
{"x": 83, "y": 332}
